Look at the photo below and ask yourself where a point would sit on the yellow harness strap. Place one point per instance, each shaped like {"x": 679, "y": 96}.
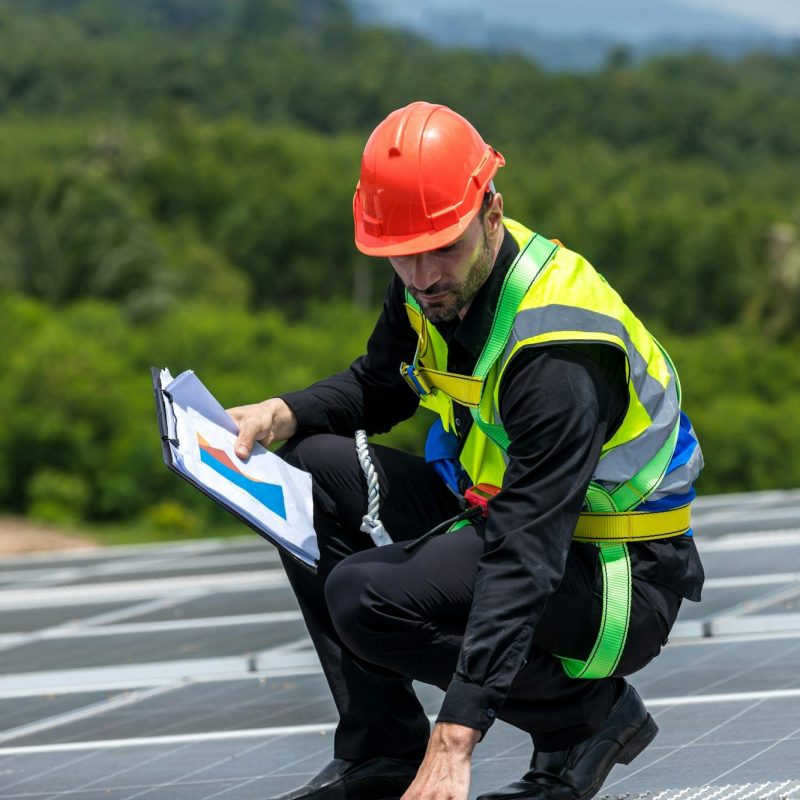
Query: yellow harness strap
{"x": 632, "y": 526}
{"x": 464, "y": 389}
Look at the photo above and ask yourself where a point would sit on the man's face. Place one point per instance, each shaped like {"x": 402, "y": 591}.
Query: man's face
{"x": 445, "y": 281}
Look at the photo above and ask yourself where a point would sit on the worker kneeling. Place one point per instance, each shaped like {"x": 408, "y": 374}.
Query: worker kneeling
{"x": 564, "y": 570}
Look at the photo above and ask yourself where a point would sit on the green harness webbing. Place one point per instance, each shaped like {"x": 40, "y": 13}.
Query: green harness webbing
{"x": 614, "y": 556}
{"x": 615, "y": 561}
{"x": 601, "y": 662}
{"x": 530, "y": 261}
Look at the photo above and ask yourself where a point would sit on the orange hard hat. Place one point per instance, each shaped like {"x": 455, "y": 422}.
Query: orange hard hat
{"x": 424, "y": 173}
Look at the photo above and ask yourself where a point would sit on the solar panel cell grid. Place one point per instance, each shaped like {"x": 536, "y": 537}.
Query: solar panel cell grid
{"x": 153, "y": 690}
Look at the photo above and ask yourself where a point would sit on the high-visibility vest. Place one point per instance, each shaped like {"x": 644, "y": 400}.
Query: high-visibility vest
{"x": 552, "y": 295}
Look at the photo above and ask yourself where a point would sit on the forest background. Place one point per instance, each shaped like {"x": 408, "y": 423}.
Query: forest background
{"x": 176, "y": 180}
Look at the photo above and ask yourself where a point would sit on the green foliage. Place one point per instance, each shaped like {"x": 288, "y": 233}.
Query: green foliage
{"x": 77, "y": 404}
{"x": 682, "y": 241}
{"x": 271, "y": 61}
{"x": 274, "y": 202}
{"x": 172, "y": 518}
{"x": 176, "y": 180}
{"x": 79, "y": 439}
{"x": 63, "y": 384}
{"x": 260, "y": 217}
{"x": 79, "y": 237}
{"x": 57, "y": 496}
{"x": 741, "y": 393}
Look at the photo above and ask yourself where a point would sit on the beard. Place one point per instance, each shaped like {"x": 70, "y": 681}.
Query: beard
{"x": 459, "y": 295}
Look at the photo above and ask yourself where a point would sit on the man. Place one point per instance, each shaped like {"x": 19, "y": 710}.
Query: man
{"x": 548, "y": 389}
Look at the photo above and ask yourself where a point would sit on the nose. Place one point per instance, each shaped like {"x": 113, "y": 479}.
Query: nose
{"x": 424, "y": 272}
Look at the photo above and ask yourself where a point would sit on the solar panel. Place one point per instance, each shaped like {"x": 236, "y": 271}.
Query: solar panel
{"x": 195, "y": 678}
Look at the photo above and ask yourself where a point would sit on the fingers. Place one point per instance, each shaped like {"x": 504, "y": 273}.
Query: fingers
{"x": 254, "y": 424}
{"x": 244, "y": 442}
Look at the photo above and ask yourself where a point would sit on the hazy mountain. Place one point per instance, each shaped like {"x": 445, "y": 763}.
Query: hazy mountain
{"x": 577, "y": 34}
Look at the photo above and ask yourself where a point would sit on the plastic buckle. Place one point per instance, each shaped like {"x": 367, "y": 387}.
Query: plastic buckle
{"x": 412, "y": 377}
{"x": 480, "y": 495}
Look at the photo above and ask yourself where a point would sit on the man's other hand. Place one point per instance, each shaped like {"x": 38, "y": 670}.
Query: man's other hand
{"x": 266, "y": 422}
{"x": 445, "y": 770}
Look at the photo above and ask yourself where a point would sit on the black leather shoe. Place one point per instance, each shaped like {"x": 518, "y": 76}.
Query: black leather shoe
{"x": 378, "y": 778}
{"x": 578, "y": 773}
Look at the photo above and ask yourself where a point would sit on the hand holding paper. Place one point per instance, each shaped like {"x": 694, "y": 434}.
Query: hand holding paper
{"x": 267, "y": 422}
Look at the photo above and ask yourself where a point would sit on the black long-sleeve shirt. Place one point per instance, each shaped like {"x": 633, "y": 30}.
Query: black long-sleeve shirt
{"x": 559, "y": 404}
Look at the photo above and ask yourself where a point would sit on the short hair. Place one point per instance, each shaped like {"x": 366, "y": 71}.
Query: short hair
{"x": 486, "y": 202}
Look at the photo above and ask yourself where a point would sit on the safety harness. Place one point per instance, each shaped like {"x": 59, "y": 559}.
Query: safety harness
{"x": 608, "y": 520}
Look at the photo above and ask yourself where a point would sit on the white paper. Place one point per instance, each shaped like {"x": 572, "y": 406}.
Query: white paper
{"x": 187, "y": 391}
{"x": 270, "y": 493}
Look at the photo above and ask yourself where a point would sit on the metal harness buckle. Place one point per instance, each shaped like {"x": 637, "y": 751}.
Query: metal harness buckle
{"x": 412, "y": 377}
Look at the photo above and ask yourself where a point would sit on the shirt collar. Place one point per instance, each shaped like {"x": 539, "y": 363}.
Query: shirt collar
{"x": 472, "y": 331}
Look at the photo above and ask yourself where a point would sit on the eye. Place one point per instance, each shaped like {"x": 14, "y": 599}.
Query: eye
{"x": 447, "y": 249}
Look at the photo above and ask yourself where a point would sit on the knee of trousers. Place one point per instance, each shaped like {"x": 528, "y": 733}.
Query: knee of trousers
{"x": 340, "y": 489}
{"x": 366, "y": 620}
{"x": 318, "y": 453}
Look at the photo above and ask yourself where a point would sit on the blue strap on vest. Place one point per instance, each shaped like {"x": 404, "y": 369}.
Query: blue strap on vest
{"x": 441, "y": 451}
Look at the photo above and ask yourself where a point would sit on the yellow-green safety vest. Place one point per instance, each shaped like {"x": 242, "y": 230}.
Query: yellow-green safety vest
{"x": 552, "y": 295}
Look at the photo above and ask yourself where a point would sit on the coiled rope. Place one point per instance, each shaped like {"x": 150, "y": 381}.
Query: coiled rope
{"x": 371, "y": 523}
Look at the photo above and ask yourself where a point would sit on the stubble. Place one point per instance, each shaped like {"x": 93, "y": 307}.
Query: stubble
{"x": 460, "y": 295}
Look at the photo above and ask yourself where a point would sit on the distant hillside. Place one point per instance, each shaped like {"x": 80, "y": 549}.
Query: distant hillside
{"x": 574, "y": 34}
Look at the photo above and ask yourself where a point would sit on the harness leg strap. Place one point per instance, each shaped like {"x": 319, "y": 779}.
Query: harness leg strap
{"x": 615, "y": 618}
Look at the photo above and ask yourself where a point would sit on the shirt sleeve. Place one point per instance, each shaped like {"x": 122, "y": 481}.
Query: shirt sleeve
{"x": 557, "y": 408}
{"x": 371, "y": 394}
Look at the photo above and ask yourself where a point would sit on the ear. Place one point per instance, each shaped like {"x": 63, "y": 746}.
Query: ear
{"x": 493, "y": 219}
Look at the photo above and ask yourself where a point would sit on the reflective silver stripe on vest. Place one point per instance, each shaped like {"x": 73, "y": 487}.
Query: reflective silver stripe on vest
{"x": 497, "y": 420}
{"x": 661, "y": 405}
{"x": 681, "y": 478}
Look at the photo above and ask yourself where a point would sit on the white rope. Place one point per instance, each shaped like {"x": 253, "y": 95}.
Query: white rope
{"x": 371, "y": 524}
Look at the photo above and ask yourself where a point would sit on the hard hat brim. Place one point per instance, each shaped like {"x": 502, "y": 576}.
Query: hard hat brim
{"x": 406, "y": 245}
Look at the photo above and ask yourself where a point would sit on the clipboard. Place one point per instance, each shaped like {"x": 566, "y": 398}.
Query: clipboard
{"x": 266, "y": 494}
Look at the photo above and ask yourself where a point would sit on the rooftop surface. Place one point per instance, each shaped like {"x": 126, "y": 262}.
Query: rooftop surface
{"x": 183, "y": 671}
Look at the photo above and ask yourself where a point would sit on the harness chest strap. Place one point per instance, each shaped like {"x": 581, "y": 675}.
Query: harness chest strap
{"x": 464, "y": 389}
{"x": 467, "y": 390}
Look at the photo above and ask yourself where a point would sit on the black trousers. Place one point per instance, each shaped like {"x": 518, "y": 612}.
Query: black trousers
{"x": 380, "y": 617}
